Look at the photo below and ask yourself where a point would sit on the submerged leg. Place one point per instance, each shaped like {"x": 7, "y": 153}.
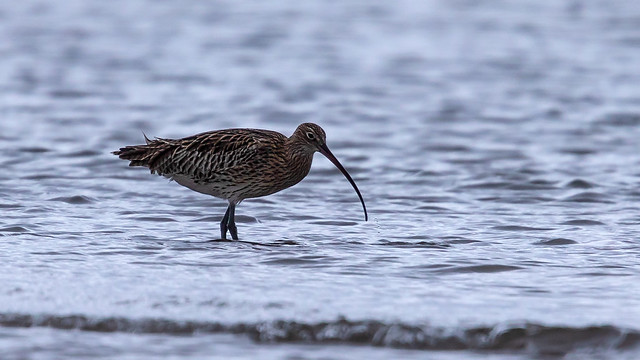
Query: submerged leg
{"x": 223, "y": 224}
{"x": 232, "y": 221}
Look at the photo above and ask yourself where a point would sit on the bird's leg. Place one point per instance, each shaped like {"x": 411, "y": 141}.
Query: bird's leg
{"x": 223, "y": 224}
{"x": 232, "y": 222}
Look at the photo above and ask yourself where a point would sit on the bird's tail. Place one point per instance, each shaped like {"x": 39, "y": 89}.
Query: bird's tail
{"x": 147, "y": 155}
{"x": 138, "y": 155}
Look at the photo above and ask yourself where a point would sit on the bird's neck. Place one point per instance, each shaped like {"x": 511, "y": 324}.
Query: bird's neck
{"x": 299, "y": 159}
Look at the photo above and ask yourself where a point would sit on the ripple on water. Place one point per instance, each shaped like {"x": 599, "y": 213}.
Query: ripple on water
{"x": 70, "y": 94}
{"x": 245, "y": 219}
{"x": 447, "y": 148}
{"x": 434, "y": 209}
{"x": 534, "y": 338}
{"x": 579, "y": 184}
{"x": 295, "y": 261}
{"x": 578, "y": 151}
{"x": 83, "y": 153}
{"x": 557, "y": 241}
{"x": 14, "y": 229}
{"x": 459, "y": 240}
{"x": 517, "y": 199}
{"x": 334, "y": 223}
{"x": 589, "y": 197}
{"x": 75, "y": 200}
{"x": 488, "y": 268}
{"x": 10, "y": 206}
{"x": 34, "y": 149}
{"x": 520, "y": 228}
{"x": 583, "y": 222}
{"x": 154, "y": 219}
{"x": 620, "y": 119}
{"x": 417, "y": 244}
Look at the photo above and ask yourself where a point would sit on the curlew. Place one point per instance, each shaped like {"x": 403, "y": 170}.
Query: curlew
{"x": 235, "y": 164}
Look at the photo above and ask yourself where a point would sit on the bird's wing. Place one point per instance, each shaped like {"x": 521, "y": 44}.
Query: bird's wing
{"x": 205, "y": 156}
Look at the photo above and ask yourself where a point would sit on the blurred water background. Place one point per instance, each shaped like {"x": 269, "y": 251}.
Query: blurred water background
{"x": 496, "y": 145}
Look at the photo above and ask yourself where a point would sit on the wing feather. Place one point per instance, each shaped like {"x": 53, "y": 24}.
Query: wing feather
{"x": 205, "y": 156}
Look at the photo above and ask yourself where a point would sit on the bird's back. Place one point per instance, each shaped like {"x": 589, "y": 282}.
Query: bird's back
{"x": 232, "y": 164}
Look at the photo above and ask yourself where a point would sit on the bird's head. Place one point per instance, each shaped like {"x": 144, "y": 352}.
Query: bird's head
{"x": 310, "y": 138}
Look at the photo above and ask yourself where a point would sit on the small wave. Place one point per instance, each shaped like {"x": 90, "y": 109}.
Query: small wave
{"x": 583, "y": 222}
{"x": 589, "y": 197}
{"x": 519, "y": 228}
{"x": 155, "y": 219}
{"x": 577, "y": 150}
{"x": 517, "y": 199}
{"x": 334, "y": 223}
{"x": 579, "y": 184}
{"x": 487, "y": 185}
{"x": 10, "y": 206}
{"x": 508, "y": 185}
{"x": 75, "y": 200}
{"x": 180, "y": 79}
{"x": 34, "y": 149}
{"x": 82, "y": 153}
{"x": 447, "y": 148}
{"x": 417, "y": 244}
{"x": 70, "y": 94}
{"x": 492, "y": 268}
{"x": 521, "y": 337}
{"x": 620, "y": 119}
{"x": 14, "y": 229}
{"x": 291, "y": 261}
{"x": 434, "y": 209}
{"x": 557, "y": 241}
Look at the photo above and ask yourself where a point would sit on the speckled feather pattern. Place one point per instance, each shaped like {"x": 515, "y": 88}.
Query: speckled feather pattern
{"x": 233, "y": 164}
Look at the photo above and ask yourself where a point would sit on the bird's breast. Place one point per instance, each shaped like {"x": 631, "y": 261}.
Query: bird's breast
{"x": 276, "y": 178}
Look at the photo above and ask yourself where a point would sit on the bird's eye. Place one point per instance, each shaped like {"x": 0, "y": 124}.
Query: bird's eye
{"x": 310, "y": 136}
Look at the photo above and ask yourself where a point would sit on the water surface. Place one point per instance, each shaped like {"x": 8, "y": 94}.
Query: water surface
{"x": 496, "y": 146}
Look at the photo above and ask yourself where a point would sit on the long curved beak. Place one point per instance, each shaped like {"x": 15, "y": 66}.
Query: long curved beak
{"x": 324, "y": 150}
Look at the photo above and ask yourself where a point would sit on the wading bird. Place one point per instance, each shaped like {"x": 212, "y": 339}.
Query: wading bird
{"x": 235, "y": 164}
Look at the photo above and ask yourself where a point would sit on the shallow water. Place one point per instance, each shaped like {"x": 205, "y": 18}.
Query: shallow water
{"x": 495, "y": 145}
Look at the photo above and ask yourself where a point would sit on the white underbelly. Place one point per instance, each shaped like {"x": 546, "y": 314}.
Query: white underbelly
{"x": 201, "y": 187}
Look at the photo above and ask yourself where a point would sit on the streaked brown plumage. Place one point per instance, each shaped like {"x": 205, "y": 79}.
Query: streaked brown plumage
{"x": 235, "y": 164}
